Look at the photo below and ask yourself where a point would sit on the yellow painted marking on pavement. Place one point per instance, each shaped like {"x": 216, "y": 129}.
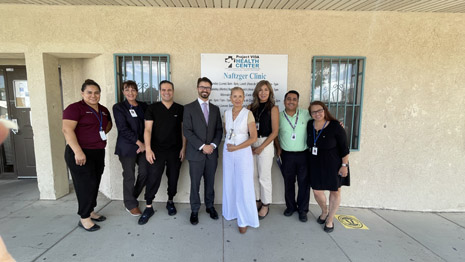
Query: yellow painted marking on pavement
{"x": 351, "y": 222}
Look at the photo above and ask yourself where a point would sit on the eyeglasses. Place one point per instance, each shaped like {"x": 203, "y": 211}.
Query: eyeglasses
{"x": 317, "y": 112}
{"x": 205, "y": 87}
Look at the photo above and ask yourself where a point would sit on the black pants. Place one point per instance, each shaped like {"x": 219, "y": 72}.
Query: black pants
{"x": 86, "y": 178}
{"x": 206, "y": 169}
{"x": 132, "y": 187}
{"x": 172, "y": 162}
{"x": 295, "y": 166}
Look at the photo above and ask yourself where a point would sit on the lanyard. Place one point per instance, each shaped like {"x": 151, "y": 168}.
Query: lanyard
{"x": 100, "y": 119}
{"x": 321, "y": 131}
{"x": 260, "y": 115}
{"x": 296, "y": 120}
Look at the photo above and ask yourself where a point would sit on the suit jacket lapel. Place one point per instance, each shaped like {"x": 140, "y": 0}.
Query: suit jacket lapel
{"x": 210, "y": 113}
{"x": 133, "y": 120}
{"x": 199, "y": 109}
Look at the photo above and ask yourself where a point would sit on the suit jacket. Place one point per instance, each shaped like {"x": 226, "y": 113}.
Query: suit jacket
{"x": 130, "y": 129}
{"x": 198, "y": 133}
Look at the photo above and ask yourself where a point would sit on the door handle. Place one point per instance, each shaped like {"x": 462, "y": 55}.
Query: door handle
{"x": 15, "y": 130}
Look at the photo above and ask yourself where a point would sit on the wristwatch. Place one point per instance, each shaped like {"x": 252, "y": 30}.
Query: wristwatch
{"x": 346, "y": 165}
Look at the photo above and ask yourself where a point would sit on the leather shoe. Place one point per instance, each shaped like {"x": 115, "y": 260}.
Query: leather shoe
{"x": 171, "y": 208}
{"x": 95, "y": 227}
{"x": 321, "y": 221}
{"x": 328, "y": 229}
{"x": 267, "y": 211}
{"x": 134, "y": 211}
{"x": 148, "y": 212}
{"x": 259, "y": 204}
{"x": 194, "y": 218}
{"x": 303, "y": 217}
{"x": 288, "y": 212}
{"x": 99, "y": 219}
{"x": 212, "y": 212}
{"x": 242, "y": 230}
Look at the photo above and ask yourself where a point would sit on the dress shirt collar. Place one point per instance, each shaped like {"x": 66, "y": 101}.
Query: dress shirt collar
{"x": 201, "y": 102}
{"x": 296, "y": 112}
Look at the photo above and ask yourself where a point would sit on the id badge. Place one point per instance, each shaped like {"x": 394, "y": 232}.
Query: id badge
{"x": 103, "y": 136}
{"x": 257, "y": 125}
{"x": 133, "y": 112}
{"x": 314, "y": 151}
{"x": 293, "y": 136}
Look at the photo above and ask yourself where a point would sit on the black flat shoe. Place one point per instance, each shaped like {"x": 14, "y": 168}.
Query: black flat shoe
{"x": 148, "y": 212}
{"x": 194, "y": 218}
{"x": 213, "y": 213}
{"x": 95, "y": 227}
{"x": 303, "y": 217}
{"x": 321, "y": 221}
{"x": 100, "y": 218}
{"x": 268, "y": 211}
{"x": 259, "y": 204}
{"x": 328, "y": 229}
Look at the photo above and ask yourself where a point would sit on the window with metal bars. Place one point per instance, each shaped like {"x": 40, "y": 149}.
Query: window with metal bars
{"x": 338, "y": 82}
{"x": 147, "y": 70}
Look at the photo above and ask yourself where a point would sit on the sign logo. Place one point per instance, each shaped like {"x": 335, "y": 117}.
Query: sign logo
{"x": 243, "y": 62}
{"x": 229, "y": 61}
{"x": 351, "y": 222}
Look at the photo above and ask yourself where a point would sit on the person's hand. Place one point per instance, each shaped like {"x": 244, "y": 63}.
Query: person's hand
{"x": 231, "y": 147}
{"x": 343, "y": 171}
{"x": 4, "y": 132}
{"x": 80, "y": 158}
{"x": 257, "y": 150}
{"x": 278, "y": 151}
{"x": 141, "y": 147}
{"x": 182, "y": 154}
{"x": 342, "y": 124}
{"x": 150, "y": 156}
{"x": 207, "y": 149}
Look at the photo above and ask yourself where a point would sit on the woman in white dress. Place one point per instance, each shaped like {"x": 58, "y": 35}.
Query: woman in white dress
{"x": 238, "y": 183}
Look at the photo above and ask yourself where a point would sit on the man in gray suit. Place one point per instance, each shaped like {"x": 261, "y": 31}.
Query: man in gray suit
{"x": 203, "y": 130}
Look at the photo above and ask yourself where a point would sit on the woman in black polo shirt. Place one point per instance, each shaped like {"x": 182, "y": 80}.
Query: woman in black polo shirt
{"x": 85, "y": 125}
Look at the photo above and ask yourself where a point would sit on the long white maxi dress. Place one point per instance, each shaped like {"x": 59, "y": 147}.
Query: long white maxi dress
{"x": 238, "y": 184}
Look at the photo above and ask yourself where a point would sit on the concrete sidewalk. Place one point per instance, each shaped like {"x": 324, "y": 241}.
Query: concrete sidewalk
{"x": 37, "y": 230}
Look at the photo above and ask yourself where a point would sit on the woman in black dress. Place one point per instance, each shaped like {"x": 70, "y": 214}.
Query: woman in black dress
{"x": 328, "y": 161}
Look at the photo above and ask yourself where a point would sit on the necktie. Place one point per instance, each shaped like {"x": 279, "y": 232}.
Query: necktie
{"x": 205, "y": 111}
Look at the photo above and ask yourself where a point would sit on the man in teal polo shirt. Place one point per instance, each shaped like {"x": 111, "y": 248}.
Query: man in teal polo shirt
{"x": 292, "y": 147}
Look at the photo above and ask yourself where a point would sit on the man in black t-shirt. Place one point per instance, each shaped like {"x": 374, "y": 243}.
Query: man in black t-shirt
{"x": 165, "y": 145}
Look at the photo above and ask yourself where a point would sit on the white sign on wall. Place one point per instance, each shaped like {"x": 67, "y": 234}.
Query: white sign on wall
{"x": 244, "y": 70}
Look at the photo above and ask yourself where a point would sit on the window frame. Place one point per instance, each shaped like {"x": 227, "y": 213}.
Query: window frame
{"x": 354, "y": 104}
{"x": 118, "y": 94}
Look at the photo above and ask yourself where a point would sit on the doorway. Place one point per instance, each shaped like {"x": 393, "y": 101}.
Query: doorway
{"x": 17, "y": 158}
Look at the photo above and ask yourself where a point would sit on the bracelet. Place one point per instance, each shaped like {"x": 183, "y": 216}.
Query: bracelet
{"x": 346, "y": 165}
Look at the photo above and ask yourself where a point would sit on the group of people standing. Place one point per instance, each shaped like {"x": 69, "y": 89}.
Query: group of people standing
{"x": 313, "y": 152}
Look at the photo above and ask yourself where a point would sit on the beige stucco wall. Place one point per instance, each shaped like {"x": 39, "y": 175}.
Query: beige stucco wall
{"x": 412, "y": 153}
{"x": 4, "y": 61}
